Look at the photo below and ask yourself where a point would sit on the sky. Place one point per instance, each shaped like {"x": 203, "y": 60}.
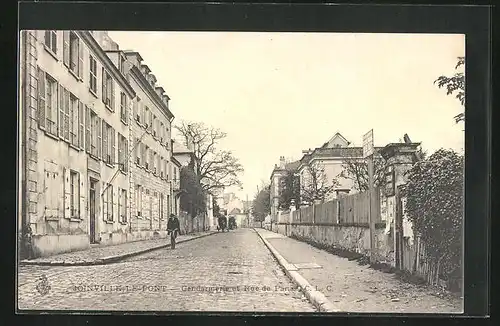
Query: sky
{"x": 276, "y": 94}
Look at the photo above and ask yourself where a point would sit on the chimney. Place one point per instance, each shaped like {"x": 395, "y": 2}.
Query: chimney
{"x": 159, "y": 90}
{"x": 282, "y": 162}
{"x": 134, "y": 57}
{"x": 151, "y": 79}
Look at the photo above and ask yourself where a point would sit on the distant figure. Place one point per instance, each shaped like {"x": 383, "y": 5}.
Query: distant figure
{"x": 173, "y": 227}
{"x": 222, "y": 223}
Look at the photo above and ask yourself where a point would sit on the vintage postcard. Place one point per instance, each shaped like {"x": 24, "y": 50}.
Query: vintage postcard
{"x": 241, "y": 171}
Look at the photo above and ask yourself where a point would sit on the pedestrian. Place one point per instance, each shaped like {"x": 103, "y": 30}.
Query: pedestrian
{"x": 173, "y": 227}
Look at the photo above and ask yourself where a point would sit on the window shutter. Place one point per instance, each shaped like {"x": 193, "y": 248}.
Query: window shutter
{"x": 112, "y": 90}
{"x": 66, "y": 114}
{"x": 103, "y": 79}
{"x": 66, "y": 48}
{"x": 125, "y": 154}
{"x": 81, "y": 131}
{"x": 113, "y": 147}
{"x": 41, "y": 98}
{"x": 67, "y": 193}
{"x": 104, "y": 142}
{"x": 125, "y": 98}
{"x": 119, "y": 204}
{"x": 105, "y": 202}
{"x": 83, "y": 208}
{"x": 87, "y": 129}
{"x": 150, "y": 121}
{"x": 60, "y": 104}
{"x": 80, "y": 58}
{"x": 99, "y": 137}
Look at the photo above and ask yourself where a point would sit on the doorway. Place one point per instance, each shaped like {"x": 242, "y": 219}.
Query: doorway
{"x": 92, "y": 210}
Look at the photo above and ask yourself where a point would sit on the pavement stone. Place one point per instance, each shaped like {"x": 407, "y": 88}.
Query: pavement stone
{"x": 355, "y": 288}
{"x": 104, "y": 254}
{"x": 231, "y": 271}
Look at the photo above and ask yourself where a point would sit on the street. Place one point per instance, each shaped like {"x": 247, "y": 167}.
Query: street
{"x": 231, "y": 271}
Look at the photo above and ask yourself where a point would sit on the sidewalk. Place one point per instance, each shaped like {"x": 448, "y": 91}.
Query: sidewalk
{"x": 108, "y": 254}
{"x": 350, "y": 287}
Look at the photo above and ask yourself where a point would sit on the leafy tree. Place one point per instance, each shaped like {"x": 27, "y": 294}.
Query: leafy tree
{"x": 193, "y": 199}
{"x": 455, "y": 83}
{"x": 316, "y": 185}
{"x": 434, "y": 205}
{"x": 215, "y": 168}
{"x": 261, "y": 205}
{"x": 289, "y": 189}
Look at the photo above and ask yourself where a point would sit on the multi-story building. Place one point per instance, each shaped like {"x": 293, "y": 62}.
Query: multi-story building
{"x": 329, "y": 160}
{"x": 150, "y": 122}
{"x": 74, "y": 132}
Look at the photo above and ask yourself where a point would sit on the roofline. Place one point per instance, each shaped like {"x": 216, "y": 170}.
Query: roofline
{"x": 87, "y": 37}
{"x": 176, "y": 162}
{"x": 152, "y": 93}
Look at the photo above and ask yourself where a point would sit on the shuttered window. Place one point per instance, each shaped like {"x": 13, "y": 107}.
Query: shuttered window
{"x": 88, "y": 130}
{"x": 123, "y": 108}
{"x": 73, "y": 121}
{"x": 41, "y": 98}
{"x": 93, "y": 74}
{"x": 50, "y": 40}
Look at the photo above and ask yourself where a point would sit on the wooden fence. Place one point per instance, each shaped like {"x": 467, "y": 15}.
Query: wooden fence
{"x": 350, "y": 209}
{"x": 356, "y": 207}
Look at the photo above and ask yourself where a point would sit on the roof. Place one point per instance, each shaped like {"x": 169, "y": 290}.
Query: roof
{"x": 174, "y": 160}
{"x": 337, "y": 135}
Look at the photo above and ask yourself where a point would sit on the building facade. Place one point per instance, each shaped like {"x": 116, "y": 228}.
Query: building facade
{"x": 74, "y": 177}
{"x": 152, "y": 181}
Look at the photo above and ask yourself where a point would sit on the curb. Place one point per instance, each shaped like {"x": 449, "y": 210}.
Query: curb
{"x": 317, "y": 298}
{"x": 108, "y": 259}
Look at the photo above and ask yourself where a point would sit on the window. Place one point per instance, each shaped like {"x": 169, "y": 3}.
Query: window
{"x": 122, "y": 205}
{"x": 108, "y": 95}
{"x": 47, "y": 102}
{"x": 93, "y": 133}
{"x": 93, "y": 75}
{"x": 162, "y": 132}
{"x": 138, "y": 199}
{"x": 154, "y": 163}
{"x": 123, "y": 107}
{"x": 160, "y": 166}
{"x": 154, "y": 125}
{"x": 145, "y": 151}
{"x": 138, "y": 151}
{"x": 122, "y": 153}
{"x": 151, "y": 159}
{"x": 122, "y": 64}
{"x": 74, "y": 199}
{"x": 73, "y": 52}
{"x": 161, "y": 204}
{"x": 51, "y": 41}
{"x": 108, "y": 143}
{"x": 137, "y": 109}
{"x": 147, "y": 122}
{"x": 108, "y": 203}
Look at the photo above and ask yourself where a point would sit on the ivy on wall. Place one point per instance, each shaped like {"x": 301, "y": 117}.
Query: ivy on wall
{"x": 434, "y": 205}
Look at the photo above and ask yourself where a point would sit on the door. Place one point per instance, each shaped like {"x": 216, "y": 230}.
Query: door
{"x": 92, "y": 220}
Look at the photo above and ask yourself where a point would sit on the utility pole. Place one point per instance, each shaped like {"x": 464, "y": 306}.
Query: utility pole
{"x": 368, "y": 150}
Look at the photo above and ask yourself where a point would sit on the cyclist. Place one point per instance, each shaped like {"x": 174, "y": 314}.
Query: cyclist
{"x": 173, "y": 228}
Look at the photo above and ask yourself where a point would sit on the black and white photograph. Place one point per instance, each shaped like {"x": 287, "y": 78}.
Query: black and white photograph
{"x": 226, "y": 171}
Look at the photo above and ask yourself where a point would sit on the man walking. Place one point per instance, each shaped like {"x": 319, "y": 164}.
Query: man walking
{"x": 173, "y": 227}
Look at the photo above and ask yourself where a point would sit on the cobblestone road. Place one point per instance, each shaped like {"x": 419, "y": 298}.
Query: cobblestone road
{"x": 231, "y": 271}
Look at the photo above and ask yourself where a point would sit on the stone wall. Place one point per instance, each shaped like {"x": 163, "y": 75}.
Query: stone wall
{"x": 350, "y": 238}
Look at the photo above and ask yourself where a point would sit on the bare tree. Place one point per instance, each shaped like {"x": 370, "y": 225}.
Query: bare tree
{"x": 215, "y": 168}
{"x": 316, "y": 185}
{"x": 356, "y": 169}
